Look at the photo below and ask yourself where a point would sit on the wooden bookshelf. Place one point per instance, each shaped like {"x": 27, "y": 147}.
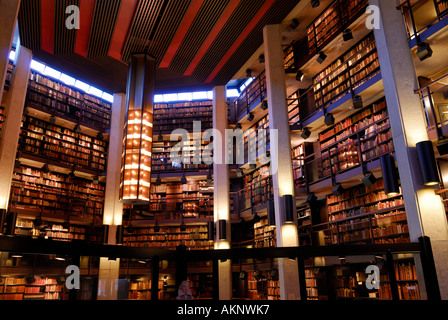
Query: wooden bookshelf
{"x": 55, "y": 97}
{"x": 56, "y": 194}
{"x": 264, "y": 235}
{"x": 169, "y": 237}
{"x": 62, "y": 145}
{"x": 43, "y": 288}
{"x": 201, "y": 285}
{"x": 141, "y": 289}
{"x": 261, "y": 286}
{"x": 347, "y": 72}
{"x": 312, "y": 291}
{"x": 257, "y": 188}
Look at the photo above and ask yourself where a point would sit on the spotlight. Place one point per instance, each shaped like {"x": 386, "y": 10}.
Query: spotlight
{"x": 294, "y": 24}
{"x": 100, "y": 136}
{"x": 329, "y": 119}
{"x": 183, "y": 180}
{"x": 261, "y": 58}
{"x": 239, "y": 173}
{"x": 209, "y": 179}
{"x": 305, "y": 133}
{"x": 300, "y": 76}
{"x": 347, "y": 35}
{"x": 369, "y": 179}
{"x": 52, "y": 120}
{"x": 156, "y": 227}
{"x": 315, "y": 3}
{"x": 158, "y": 181}
{"x": 424, "y": 51}
{"x": 248, "y": 73}
{"x": 96, "y": 180}
{"x": 77, "y": 128}
{"x": 238, "y": 126}
{"x": 253, "y": 166}
{"x": 357, "y": 102}
{"x": 264, "y": 105}
{"x": 250, "y": 116}
{"x": 45, "y": 168}
{"x": 311, "y": 198}
{"x": 183, "y": 227}
{"x": 428, "y": 163}
{"x": 256, "y": 218}
{"x": 160, "y": 137}
{"x": 321, "y": 58}
{"x": 37, "y": 222}
{"x": 72, "y": 175}
{"x": 338, "y": 190}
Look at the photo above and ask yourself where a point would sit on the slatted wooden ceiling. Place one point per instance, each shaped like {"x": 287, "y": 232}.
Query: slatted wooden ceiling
{"x": 197, "y": 43}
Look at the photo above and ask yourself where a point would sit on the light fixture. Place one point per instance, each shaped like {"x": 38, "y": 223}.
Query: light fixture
{"x": 72, "y": 175}
{"x": 300, "y": 76}
{"x": 271, "y": 213}
{"x": 294, "y": 24}
{"x": 30, "y": 279}
{"x": 250, "y": 116}
{"x": 347, "y": 35}
{"x": 252, "y": 166}
{"x": 261, "y": 58}
{"x": 315, "y": 3}
{"x": 211, "y": 230}
{"x": 264, "y": 105}
{"x": 209, "y": 178}
{"x": 306, "y": 133}
{"x": 357, "y": 102}
{"x": 338, "y": 190}
{"x": 239, "y": 172}
{"x": 183, "y": 227}
{"x": 311, "y": 198}
{"x": 156, "y": 227}
{"x": 256, "y": 218}
{"x": 428, "y": 164}
{"x": 248, "y": 73}
{"x": 60, "y": 258}
{"x": 342, "y": 259}
{"x": 45, "y": 168}
{"x": 369, "y": 179}
{"x": 37, "y": 222}
{"x": 16, "y": 256}
{"x": 238, "y": 126}
{"x": 424, "y": 51}
{"x": 52, "y": 120}
{"x": 66, "y": 224}
{"x": 158, "y": 181}
{"x": 77, "y": 129}
{"x": 442, "y": 147}
{"x": 222, "y": 229}
{"x": 329, "y": 119}
{"x": 390, "y": 176}
{"x": 183, "y": 180}
{"x": 288, "y": 205}
{"x": 322, "y": 57}
{"x": 119, "y": 235}
{"x": 100, "y": 136}
{"x": 96, "y": 180}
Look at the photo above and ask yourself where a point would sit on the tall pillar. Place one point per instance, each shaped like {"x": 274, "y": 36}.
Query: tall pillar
{"x": 221, "y": 199}
{"x": 281, "y": 163}
{"x": 8, "y": 20}
{"x": 424, "y": 210}
{"x": 108, "y": 274}
{"x": 13, "y": 119}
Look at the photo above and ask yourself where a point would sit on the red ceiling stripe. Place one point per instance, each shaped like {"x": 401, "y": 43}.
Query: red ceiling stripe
{"x": 212, "y": 36}
{"x": 187, "y": 20}
{"x": 124, "y": 20}
{"x": 86, "y": 8}
{"x": 47, "y": 22}
{"x": 240, "y": 39}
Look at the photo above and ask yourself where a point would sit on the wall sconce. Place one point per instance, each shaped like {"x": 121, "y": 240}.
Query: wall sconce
{"x": 271, "y": 213}
{"x": 288, "y": 205}
{"x": 390, "y": 176}
{"x": 211, "y": 230}
{"x": 369, "y": 179}
{"x": 119, "y": 234}
{"x": 428, "y": 164}
{"x": 338, "y": 190}
{"x": 105, "y": 237}
{"x": 222, "y": 229}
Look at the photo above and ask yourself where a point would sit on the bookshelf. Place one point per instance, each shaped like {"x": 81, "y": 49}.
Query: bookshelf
{"x": 43, "y": 288}
{"x": 312, "y": 291}
{"x": 55, "y": 97}
{"x": 55, "y": 194}
{"x": 201, "y": 285}
{"x": 264, "y": 235}
{"x": 347, "y": 72}
{"x": 169, "y": 237}
{"x": 366, "y": 215}
{"x": 261, "y": 286}
{"x": 141, "y": 289}
{"x": 181, "y": 115}
{"x": 257, "y": 188}
{"x": 298, "y": 165}
{"x": 62, "y": 145}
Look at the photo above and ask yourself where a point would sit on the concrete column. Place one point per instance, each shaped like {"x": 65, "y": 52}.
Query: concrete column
{"x": 424, "y": 210}
{"x": 108, "y": 275}
{"x": 13, "y": 119}
{"x": 8, "y": 20}
{"x": 281, "y": 163}
{"x": 221, "y": 198}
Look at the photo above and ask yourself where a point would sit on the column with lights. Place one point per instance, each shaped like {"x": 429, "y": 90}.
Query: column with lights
{"x": 424, "y": 209}
{"x": 281, "y": 163}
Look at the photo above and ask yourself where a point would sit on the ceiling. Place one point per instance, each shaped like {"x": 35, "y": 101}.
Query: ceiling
{"x": 197, "y": 44}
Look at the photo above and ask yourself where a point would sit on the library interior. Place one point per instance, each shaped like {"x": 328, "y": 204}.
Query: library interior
{"x": 224, "y": 150}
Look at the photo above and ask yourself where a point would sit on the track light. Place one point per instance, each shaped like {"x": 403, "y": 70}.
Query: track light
{"x": 209, "y": 179}
{"x": 239, "y": 173}
{"x": 37, "y": 222}
{"x": 321, "y": 58}
{"x": 183, "y": 227}
{"x": 305, "y": 133}
{"x": 238, "y": 126}
{"x": 183, "y": 180}
{"x": 271, "y": 213}
{"x": 329, "y": 119}
{"x": 338, "y": 190}
{"x": 315, "y": 3}
{"x": 300, "y": 76}
{"x": 248, "y": 73}
{"x": 256, "y": 218}
{"x": 77, "y": 128}
{"x": 428, "y": 164}
{"x": 311, "y": 198}
{"x": 66, "y": 224}
{"x": 294, "y": 24}
{"x": 250, "y": 116}
{"x": 261, "y": 58}
{"x": 264, "y": 105}
{"x": 158, "y": 181}
{"x": 369, "y": 179}
{"x": 100, "y": 136}
{"x": 72, "y": 175}
{"x": 357, "y": 102}
{"x": 390, "y": 176}
{"x": 347, "y": 35}
{"x": 52, "y": 120}
{"x": 160, "y": 137}
{"x": 96, "y": 180}
{"x": 288, "y": 203}
{"x": 424, "y": 51}
{"x": 45, "y": 168}
{"x": 252, "y": 166}
{"x": 156, "y": 227}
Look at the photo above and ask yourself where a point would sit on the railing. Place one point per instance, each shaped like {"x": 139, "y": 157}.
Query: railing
{"x": 336, "y": 18}
{"x": 433, "y": 97}
{"x": 420, "y": 15}
{"x": 254, "y": 94}
{"x": 254, "y": 194}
